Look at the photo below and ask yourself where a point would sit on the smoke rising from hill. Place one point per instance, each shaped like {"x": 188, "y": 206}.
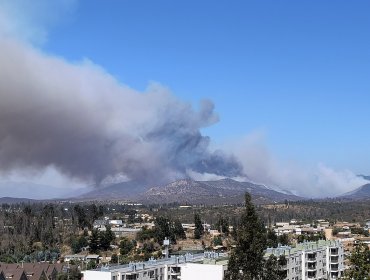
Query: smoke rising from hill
{"x": 80, "y": 120}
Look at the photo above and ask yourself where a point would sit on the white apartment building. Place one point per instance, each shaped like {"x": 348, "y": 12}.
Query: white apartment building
{"x": 312, "y": 260}
{"x": 207, "y": 266}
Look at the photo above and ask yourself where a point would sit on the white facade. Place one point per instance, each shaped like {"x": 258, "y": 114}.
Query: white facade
{"x": 192, "y": 271}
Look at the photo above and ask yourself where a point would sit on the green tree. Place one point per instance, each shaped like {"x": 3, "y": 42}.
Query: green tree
{"x": 114, "y": 259}
{"x": 94, "y": 241}
{"x": 199, "y": 230}
{"x": 283, "y": 239}
{"x": 125, "y": 246}
{"x": 272, "y": 239}
{"x": 360, "y": 263}
{"x": 273, "y": 269}
{"x": 163, "y": 229}
{"x": 246, "y": 259}
{"x": 91, "y": 264}
{"x": 178, "y": 230}
{"x": 106, "y": 238}
{"x": 217, "y": 240}
{"x": 79, "y": 243}
{"x": 223, "y": 225}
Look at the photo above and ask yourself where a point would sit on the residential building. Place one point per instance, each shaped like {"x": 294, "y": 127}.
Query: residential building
{"x": 312, "y": 260}
{"x": 210, "y": 265}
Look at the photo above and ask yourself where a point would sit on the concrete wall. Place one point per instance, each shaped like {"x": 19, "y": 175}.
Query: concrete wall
{"x": 97, "y": 275}
{"x": 194, "y": 271}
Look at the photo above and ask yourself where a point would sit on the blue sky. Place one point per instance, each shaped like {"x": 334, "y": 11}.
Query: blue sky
{"x": 289, "y": 78}
{"x": 297, "y": 70}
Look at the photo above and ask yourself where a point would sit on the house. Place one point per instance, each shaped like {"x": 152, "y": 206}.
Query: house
{"x": 15, "y": 274}
{"x": 94, "y": 258}
{"x": 98, "y": 224}
{"x": 75, "y": 257}
{"x": 116, "y": 223}
{"x": 35, "y": 272}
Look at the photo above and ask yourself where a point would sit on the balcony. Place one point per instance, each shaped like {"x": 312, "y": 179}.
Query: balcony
{"x": 311, "y": 268}
{"x": 334, "y": 275}
{"x": 334, "y": 268}
{"x": 334, "y": 252}
{"x": 334, "y": 259}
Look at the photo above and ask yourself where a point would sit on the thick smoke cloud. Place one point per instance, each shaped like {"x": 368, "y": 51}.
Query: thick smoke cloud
{"x": 80, "y": 120}
{"x": 263, "y": 166}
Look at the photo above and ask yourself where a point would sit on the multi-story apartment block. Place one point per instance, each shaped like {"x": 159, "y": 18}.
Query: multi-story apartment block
{"x": 312, "y": 260}
{"x": 207, "y": 266}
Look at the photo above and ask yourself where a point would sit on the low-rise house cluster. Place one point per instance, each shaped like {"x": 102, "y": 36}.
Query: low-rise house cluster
{"x": 31, "y": 271}
{"x": 118, "y": 227}
{"x": 293, "y": 227}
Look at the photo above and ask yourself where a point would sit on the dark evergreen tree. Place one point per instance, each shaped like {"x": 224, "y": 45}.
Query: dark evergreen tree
{"x": 114, "y": 259}
{"x": 106, "y": 238}
{"x": 78, "y": 243}
{"x": 199, "y": 230}
{"x": 125, "y": 246}
{"x": 223, "y": 225}
{"x": 178, "y": 230}
{"x": 283, "y": 239}
{"x": 94, "y": 241}
{"x": 246, "y": 260}
{"x": 272, "y": 239}
{"x": 273, "y": 269}
{"x": 163, "y": 229}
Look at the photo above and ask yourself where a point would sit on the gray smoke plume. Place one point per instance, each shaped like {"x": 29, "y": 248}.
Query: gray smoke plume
{"x": 81, "y": 121}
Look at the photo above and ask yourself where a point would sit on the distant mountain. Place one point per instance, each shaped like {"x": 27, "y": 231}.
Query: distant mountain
{"x": 362, "y": 192}
{"x": 182, "y": 191}
{"x": 31, "y": 190}
{"x": 212, "y": 192}
{"x": 13, "y": 200}
{"x": 123, "y": 190}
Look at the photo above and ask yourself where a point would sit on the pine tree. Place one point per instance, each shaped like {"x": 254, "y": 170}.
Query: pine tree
{"x": 272, "y": 239}
{"x": 178, "y": 230}
{"x": 273, "y": 268}
{"x": 223, "y": 225}
{"x": 246, "y": 261}
{"x": 198, "y": 231}
{"x": 106, "y": 238}
{"x": 164, "y": 229}
{"x": 94, "y": 241}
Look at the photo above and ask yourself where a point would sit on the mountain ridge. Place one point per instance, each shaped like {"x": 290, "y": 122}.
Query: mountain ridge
{"x": 212, "y": 192}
